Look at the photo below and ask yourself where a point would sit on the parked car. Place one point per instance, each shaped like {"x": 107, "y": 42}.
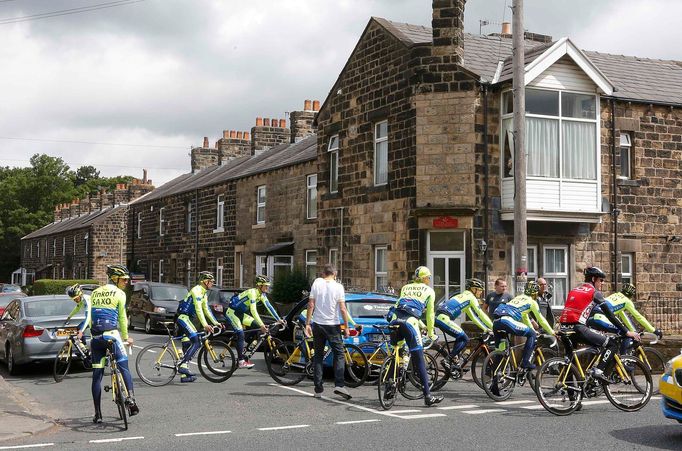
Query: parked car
{"x": 671, "y": 389}
{"x": 219, "y": 300}
{"x": 6, "y": 298}
{"x": 152, "y": 303}
{"x": 9, "y": 288}
{"x": 32, "y": 329}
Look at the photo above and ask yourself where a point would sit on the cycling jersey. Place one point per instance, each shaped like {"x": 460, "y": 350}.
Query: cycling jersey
{"x": 415, "y": 299}
{"x": 247, "y": 301}
{"x": 83, "y": 304}
{"x": 520, "y": 308}
{"x": 466, "y": 303}
{"x": 108, "y": 310}
{"x": 579, "y": 304}
{"x": 621, "y": 305}
{"x": 195, "y": 305}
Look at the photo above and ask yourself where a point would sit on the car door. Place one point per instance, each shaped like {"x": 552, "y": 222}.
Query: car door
{"x": 136, "y": 304}
{"x": 8, "y": 324}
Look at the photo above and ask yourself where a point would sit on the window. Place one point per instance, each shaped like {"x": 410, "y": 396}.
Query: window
{"x": 86, "y": 238}
{"x": 63, "y": 249}
{"x": 381, "y": 153}
{"x": 627, "y": 269}
{"x": 561, "y": 135}
{"x": 162, "y": 221}
{"x": 311, "y": 196}
{"x": 333, "y": 150}
{"x": 262, "y": 265}
{"x": 334, "y": 258}
{"x": 219, "y": 272}
{"x": 556, "y": 272}
{"x": 38, "y": 249}
{"x": 281, "y": 264}
{"x": 239, "y": 272}
{"x": 260, "y": 205}
{"x": 311, "y": 264}
{"x": 139, "y": 225}
{"x": 532, "y": 265}
{"x": 46, "y": 248}
{"x": 74, "y": 245}
{"x": 161, "y": 270}
{"x": 188, "y": 273}
{"x": 63, "y": 272}
{"x": 54, "y": 248}
{"x": 625, "y": 156}
{"x": 380, "y": 268}
{"x": 188, "y": 222}
{"x": 220, "y": 214}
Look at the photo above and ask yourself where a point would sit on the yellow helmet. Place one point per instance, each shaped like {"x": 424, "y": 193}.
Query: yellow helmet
{"x": 422, "y": 272}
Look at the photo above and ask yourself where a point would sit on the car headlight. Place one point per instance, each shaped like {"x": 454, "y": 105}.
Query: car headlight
{"x": 668, "y": 368}
{"x": 159, "y": 310}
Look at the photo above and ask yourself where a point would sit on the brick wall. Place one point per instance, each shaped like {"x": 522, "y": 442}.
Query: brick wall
{"x": 268, "y": 133}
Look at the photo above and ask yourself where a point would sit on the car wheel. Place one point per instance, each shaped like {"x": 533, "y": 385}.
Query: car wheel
{"x": 11, "y": 366}
{"x": 148, "y": 325}
{"x": 130, "y": 322}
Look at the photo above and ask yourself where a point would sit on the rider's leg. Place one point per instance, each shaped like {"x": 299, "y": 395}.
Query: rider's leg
{"x": 98, "y": 352}
{"x": 449, "y": 327}
{"x": 236, "y": 325}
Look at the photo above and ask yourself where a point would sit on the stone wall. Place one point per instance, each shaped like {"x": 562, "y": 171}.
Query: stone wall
{"x": 267, "y": 134}
{"x": 108, "y": 243}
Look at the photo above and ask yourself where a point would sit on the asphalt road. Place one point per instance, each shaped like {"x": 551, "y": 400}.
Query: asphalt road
{"x": 250, "y": 411}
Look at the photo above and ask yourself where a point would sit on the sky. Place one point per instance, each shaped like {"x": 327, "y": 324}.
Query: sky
{"x": 134, "y": 84}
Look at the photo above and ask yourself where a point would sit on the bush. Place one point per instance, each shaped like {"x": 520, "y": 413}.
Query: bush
{"x": 57, "y": 286}
{"x": 287, "y": 287}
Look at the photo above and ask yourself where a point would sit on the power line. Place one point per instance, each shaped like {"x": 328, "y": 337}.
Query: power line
{"x": 92, "y": 142}
{"x": 97, "y": 165}
{"x": 66, "y": 12}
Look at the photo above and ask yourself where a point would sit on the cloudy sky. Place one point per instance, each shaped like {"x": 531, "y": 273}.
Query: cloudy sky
{"x": 158, "y": 75}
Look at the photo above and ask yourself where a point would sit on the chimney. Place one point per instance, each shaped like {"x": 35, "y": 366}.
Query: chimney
{"x": 57, "y": 214}
{"x": 205, "y": 145}
{"x": 259, "y": 122}
{"x": 233, "y": 134}
{"x": 506, "y": 28}
{"x": 266, "y": 122}
{"x": 448, "y": 29}
{"x": 74, "y": 208}
{"x": 307, "y": 105}
{"x": 65, "y": 211}
{"x": 139, "y": 188}
{"x": 270, "y": 134}
{"x": 301, "y": 122}
{"x": 144, "y": 176}
{"x": 121, "y": 194}
{"x": 240, "y": 135}
{"x": 233, "y": 145}
{"x": 282, "y": 123}
{"x": 203, "y": 157}
{"x": 316, "y": 105}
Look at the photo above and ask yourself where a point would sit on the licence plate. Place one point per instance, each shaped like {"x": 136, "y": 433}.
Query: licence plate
{"x": 375, "y": 338}
{"x": 66, "y": 332}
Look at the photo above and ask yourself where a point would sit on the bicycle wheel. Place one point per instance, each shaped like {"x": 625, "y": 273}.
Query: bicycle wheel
{"x": 498, "y": 381}
{"x": 287, "y": 364}
{"x": 216, "y": 361}
{"x": 387, "y": 383}
{"x": 62, "y": 362}
{"x": 632, "y": 392}
{"x": 477, "y": 364}
{"x": 444, "y": 373}
{"x": 412, "y": 388}
{"x": 119, "y": 397}
{"x": 656, "y": 364}
{"x": 156, "y": 365}
{"x": 558, "y": 386}
{"x": 547, "y": 353}
{"x": 357, "y": 367}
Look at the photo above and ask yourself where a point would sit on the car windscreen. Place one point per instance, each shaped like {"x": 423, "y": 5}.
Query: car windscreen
{"x": 48, "y": 307}
{"x": 169, "y": 293}
{"x": 11, "y": 289}
{"x": 370, "y": 308}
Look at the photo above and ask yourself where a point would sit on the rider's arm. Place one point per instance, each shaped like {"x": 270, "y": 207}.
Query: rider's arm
{"x": 75, "y": 310}
{"x": 270, "y": 308}
{"x": 207, "y": 311}
{"x": 630, "y": 307}
{"x": 88, "y": 312}
{"x": 478, "y": 316}
{"x": 540, "y": 318}
{"x": 606, "y": 310}
{"x": 122, "y": 317}
{"x": 198, "y": 308}
{"x": 430, "y": 316}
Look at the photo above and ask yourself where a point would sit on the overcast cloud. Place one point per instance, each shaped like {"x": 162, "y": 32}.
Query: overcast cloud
{"x": 168, "y": 72}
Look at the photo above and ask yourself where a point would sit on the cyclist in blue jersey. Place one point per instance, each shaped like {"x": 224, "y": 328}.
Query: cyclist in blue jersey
{"x": 82, "y": 303}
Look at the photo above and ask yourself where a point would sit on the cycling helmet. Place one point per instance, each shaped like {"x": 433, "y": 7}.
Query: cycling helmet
{"x": 74, "y": 291}
{"x": 205, "y": 275}
{"x": 262, "y": 280}
{"x": 421, "y": 272}
{"x": 474, "y": 283}
{"x": 532, "y": 289}
{"x": 117, "y": 271}
{"x": 593, "y": 271}
{"x": 628, "y": 290}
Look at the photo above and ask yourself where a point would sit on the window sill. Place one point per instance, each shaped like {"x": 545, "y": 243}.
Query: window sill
{"x": 628, "y": 182}
{"x": 219, "y": 230}
{"x": 258, "y": 226}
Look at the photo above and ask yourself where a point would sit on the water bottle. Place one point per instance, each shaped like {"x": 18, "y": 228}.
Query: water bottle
{"x": 253, "y": 345}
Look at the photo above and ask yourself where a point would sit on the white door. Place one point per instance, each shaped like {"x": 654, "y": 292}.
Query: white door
{"x": 447, "y": 260}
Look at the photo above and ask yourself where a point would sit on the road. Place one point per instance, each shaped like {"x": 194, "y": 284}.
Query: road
{"x": 250, "y": 411}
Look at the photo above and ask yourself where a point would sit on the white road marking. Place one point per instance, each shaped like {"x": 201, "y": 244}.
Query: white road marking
{"x": 406, "y": 411}
{"x": 596, "y": 401}
{"x": 372, "y": 420}
{"x": 112, "y": 440}
{"x": 478, "y": 412}
{"x": 277, "y": 428}
{"x": 655, "y": 397}
{"x": 426, "y": 415}
{"x": 36, "y": 445}
{"x": 536, "y": 407}
{"x": 188, "y": 434}
{"x": 511, "y": 403}
{"x": 465, "y": 406}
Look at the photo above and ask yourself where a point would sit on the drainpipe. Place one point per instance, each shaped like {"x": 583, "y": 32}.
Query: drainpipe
{"x": 133, "y": 234}
{"x": 340, "y": 268}
{"x": 196, "y": 233}
{"x": 615, "y": 212}
{"x": 486, "y": 184}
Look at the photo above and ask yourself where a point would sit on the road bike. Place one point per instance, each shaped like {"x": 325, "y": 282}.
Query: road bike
{"x": 450, "y": 368}
{"x": 652, "y": 358}
{"x": 73, "y": 348}
{"x": 563, "y": 382}
{"x": 118, "y": 389}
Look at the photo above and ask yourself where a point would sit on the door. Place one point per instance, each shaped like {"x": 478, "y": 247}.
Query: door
{"x": 447, "y": 260}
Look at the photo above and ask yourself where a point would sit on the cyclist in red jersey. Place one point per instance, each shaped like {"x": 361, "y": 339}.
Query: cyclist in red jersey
{"x": 579, "y": 304}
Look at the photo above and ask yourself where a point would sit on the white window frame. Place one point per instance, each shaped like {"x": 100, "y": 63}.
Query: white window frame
{"x": 86, "y": 238}
{"x": 629, "y": 276}
{"x": 272, "y": 264}
{"x": 311, "y": 196}
{"x": 47, "y": 248}
{"x": 161, "y": 270}
{"x": 162, "y": 221}
{"x": 333, "y": 149}
{"x": 188, "y": 271}
{"x": 311, "y": 263}
{"x": 550, "y": 277}
{"x": 188, "y": 220}
{"x": 260, "y": 205}
{"x": 239, "y": 265}
{"x": 38, "y": 249}
{"x": 74, "y": 245}
{"x": 54, "y": 248}
{"x": 139, "y": 224}
{"x": 63, "y": 249}
{"x": 383, "y": 157}
{"x": 63, "y": 272}
{"x": 625, "y": 145}
{"x": 219, "y": 271}
{"x": 220, "y": 214}
{"x": 262, "y": 265}
{"x": 378, "y": 273}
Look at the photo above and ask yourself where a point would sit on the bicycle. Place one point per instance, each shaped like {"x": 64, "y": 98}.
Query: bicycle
{"x": 652, "y": 358}
{"x": 118, "y": 389}
{"x": 72, "y": 346}
{"x": 157, "y": 364}
{"x": 395, "y": 372}
{"x": 291, "y": 362}
{"x": 501, "y": 370}
{"x": 562, "y": 382}
{"x": 454, "y": 370}
{"x": 380, "y": 351}
{"x": 266, "y": 338}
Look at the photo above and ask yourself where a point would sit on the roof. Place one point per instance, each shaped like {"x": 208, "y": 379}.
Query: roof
{"x": 78, "y": 222}
{"x": 268, "y": 160}
{"x": 642, "y": 79}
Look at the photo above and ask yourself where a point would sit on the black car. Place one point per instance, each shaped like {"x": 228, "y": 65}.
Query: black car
{"x": 219, "y": 300}
{"x": 152, "y": 303}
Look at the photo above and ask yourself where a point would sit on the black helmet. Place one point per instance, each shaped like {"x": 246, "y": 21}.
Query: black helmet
{"x": 474, "y": 283}
{"x": 532, "y": 288}
{"x": 593, "y": 271}
{"x": 262, "y": 280}
{"x": 117, "y": 271}
{"x": 74, "y": 291}
{"x": 205, "y": 275}
{"x": 628, "y": 290}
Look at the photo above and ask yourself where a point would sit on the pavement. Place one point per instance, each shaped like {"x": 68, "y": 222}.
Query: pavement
{"x": 20, "y": 414}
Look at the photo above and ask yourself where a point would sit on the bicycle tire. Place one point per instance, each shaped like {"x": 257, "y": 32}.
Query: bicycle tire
{"x": 219, "y": 368}
{"x": 387, "y": 384}
{"x": 412, "y": 376}
{"x": 287, "y": 365}
{"x": 569, "y": 390}
{"x": 547, "y": 354}
{"x": 62, "y": 362}
{"x": 656, "y": 367}
{"x": 477, "y": 364}
{"x": 375, "y": 359}
{"x": 357, "y": 369}
{"x": 119, "y": 398}
{"x": 640, "y": 378}
{"x": 497, "y": 381}
{"x": 156, "y": 365}
{"x": 444, "y": 373}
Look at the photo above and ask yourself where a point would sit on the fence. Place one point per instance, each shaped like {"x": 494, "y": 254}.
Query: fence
{"x": 664, "y": 313}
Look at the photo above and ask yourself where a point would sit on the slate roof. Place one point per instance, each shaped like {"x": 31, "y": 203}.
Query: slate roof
{"x": 78, "y": 222}
{"x": 643, "y": 79}
{"x": 277, "y": 157}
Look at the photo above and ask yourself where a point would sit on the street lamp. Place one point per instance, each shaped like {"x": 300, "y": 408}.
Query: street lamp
{"x": 482, "y": 246}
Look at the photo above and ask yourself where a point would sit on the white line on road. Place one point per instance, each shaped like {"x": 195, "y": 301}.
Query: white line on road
{"x": 36, "y": 445}
{"x": 406, "y": 411}
{"x": 187, "y": 434}
{"x": 478, "y": 412}
{"x": 426, "y": 415}
{"x": 465, "y": 406}
{"x": 112, "y": 440}
{"x": 277, "y": 428}
{"x": 540, "y": 407}
{"x": 597, "y": 401}
{"x": 511, "y": 403}
{"x": 371, "y": 420}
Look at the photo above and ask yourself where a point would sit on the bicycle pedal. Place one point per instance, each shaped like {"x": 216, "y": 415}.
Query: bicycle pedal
{"x": 107, "y": 388}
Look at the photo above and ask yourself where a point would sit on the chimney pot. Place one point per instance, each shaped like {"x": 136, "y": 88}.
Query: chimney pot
{"x": 316, "y": 105}
{"x": 259, "y": 122}
{"x": 266, "y": 122}
{"x": 246, "y": 136}
{"x": 233, "y": 134}
{"x": 226, "y": 134}
{"x": 205, "y": 142}
{"x": 144, "y": 176}
{"x": 282, "y": 123}
{"x": 240, "y": 135}
{"x": 273, "y": 121}
{"x": 506, "y": 28}
{"x": 306, "y": 105}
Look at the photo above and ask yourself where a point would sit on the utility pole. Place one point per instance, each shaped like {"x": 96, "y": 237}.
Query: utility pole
{"x": 519, "y": 90}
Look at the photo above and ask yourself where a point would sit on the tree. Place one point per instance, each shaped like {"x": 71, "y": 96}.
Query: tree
{"x": 84, "y": 174}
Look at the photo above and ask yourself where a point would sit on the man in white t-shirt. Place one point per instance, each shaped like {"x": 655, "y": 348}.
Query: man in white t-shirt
{"x": 327, "y": 298}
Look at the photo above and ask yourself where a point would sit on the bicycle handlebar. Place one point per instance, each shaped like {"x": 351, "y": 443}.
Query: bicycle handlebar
{"x": 650, "y": 334}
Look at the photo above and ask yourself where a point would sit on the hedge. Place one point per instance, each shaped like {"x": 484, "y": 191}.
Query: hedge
{"x": 287, "y": 287}
{"x": 57, "y": 286}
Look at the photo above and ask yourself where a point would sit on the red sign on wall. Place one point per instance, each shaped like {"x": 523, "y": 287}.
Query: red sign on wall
{"x": 445, "y": 222}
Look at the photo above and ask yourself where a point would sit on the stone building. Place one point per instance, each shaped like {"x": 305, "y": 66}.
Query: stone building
{"x": 86, "y": 235}
{"x": 414, "y": 150}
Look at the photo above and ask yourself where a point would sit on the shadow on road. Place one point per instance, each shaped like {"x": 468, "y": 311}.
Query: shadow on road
{"x": 662, "y": 437}
{"x": 85, "y": 425}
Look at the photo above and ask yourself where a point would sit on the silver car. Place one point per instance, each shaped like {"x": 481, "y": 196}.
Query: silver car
{"x": 32, "y": 328}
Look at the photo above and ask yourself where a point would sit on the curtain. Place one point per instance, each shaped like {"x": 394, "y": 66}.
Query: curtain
{"x": 542, "y": 144}
{"x": 507, "y": 146}
{"x": 579, "y": 156}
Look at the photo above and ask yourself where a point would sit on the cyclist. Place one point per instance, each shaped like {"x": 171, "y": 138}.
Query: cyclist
{"x": 108, "y": 317}
{"x": 243, "y": 311}
{"x": 466, "y": 302}
{"x": 194, "y": 306}
{"x": 82, "y": 303}
{"x": 514, "y": 318}
{"x": 579, "y": 304}
{"x": 415, "y": 299}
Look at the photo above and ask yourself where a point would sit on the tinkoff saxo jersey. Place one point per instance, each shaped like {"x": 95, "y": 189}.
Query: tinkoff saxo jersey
{"x": 108, "y": 310}
{"x": 467, "y": 303}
